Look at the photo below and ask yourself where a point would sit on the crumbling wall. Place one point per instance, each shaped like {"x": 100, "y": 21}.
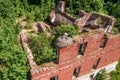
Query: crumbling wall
{"x": 80, "y": 22}
{"x": 59, "y": 16}
{"x": 90, "y": 21}
{"x": 23, "y": 36}
{"x": 41, "y": 27}
{"x": 64, "y": 18}
{"x": 61, "y": 7}
{"x": 82, "y": 13}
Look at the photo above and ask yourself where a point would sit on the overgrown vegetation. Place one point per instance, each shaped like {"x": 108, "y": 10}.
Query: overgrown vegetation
{"x": 13, "y": 62}
{"x": 113, "y": 75}
{"x": 69, "y": 29}
{"x": 102, "y": 75}
{"x": 114, "y": 30}
{"x": 42, "y": 49}
{"x": 99, "y": 20}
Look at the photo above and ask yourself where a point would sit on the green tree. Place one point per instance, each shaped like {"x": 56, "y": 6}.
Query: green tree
{"x": 115, "y": 75}
{"x": 97, "y": 5}
{"x": 101, "y": 75}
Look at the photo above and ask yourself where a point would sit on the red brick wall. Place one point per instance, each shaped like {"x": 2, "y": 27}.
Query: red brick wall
{"x": 68, "y": 53}
{"x": 69, "y": 59}
{"x": 65, "y": 74}
{"x": 93, "y": 43}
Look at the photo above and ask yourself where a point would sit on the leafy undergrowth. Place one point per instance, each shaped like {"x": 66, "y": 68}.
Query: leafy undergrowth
{"x": 113, "y": 75}
{"x": 69, "y": 29}
{"x": 13, "y": 61}
{"x": 114, "y": 30}
{"x": 41, "y": 48}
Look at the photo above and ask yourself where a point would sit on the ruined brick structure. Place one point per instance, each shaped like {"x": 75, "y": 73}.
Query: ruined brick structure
{"x": 92, "y": 50}
{"x": 84, "y": 20}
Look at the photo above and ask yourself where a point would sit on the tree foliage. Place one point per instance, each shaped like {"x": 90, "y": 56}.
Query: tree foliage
{"x": 115, "y": 75}
{"x": 13, "y": 62}
{"x": 101, "y": 75}
{"x": 42, "y": 50}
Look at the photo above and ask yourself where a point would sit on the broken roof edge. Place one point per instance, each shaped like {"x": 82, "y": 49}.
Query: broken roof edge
{"x": 103, "y": 14}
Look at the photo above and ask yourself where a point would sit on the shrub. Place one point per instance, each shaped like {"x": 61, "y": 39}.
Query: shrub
{"x": 114, "y": 30}
{"x": 115, "y": 75}
{"x": 101, "y": 75}
{"x": 42, "y": 50}
{"x": 99, "y": 20}
{"x": 71, "y": 30}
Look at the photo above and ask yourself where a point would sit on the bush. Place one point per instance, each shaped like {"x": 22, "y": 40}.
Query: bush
{"x": 114, "y": 30}
{"x": 117, "y": 23}
{"x": 42, "y": 50}
{"x": 99, "y": 20}
{"x": 71, "y": 30}
{"x": 101, "y": 75}
{"x": 115, "y": 75}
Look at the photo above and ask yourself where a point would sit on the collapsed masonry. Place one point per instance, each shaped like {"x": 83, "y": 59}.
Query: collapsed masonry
{"x": 85, "y": 20}
{"x": 76, "y": 59}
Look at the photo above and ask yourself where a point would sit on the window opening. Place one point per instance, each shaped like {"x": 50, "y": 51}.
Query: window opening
{"x": 76, "y": 72}
{"x": 54, "y": 78}
{"x": 104, "y": 41}
{"x": 96, "y": 63}
{"x": 82, "y": 48}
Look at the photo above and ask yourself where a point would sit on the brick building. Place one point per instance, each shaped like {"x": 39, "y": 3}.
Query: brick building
{"x": 86, "y": 54}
